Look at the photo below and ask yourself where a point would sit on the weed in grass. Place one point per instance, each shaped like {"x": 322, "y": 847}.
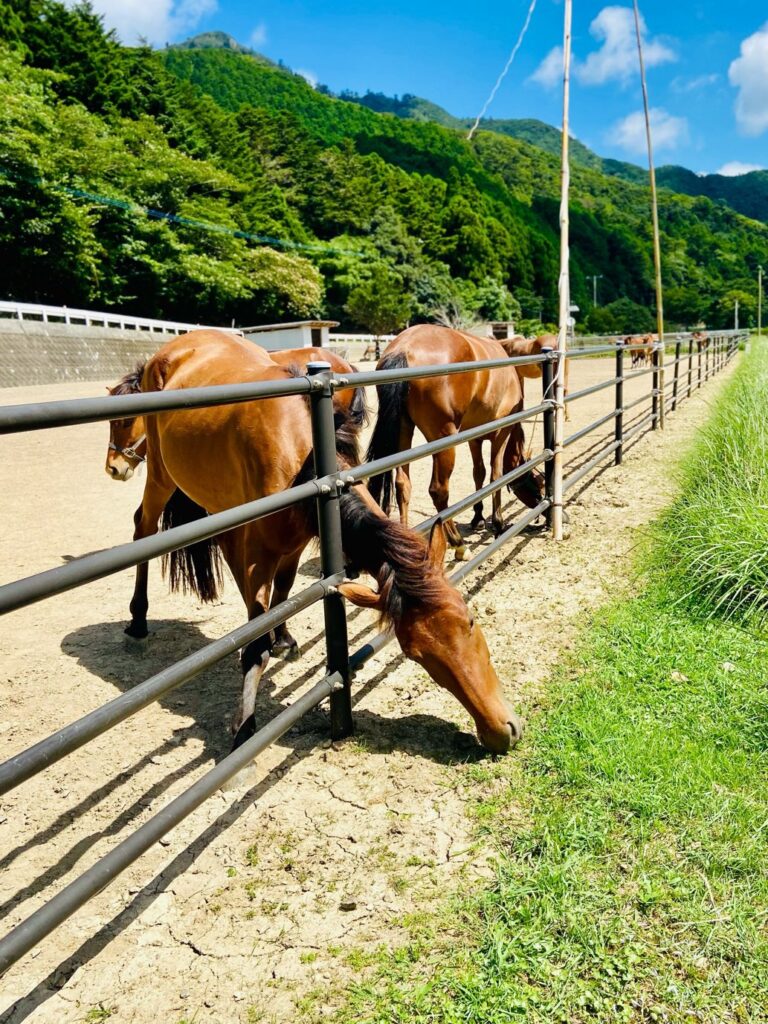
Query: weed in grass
{"x": 99, "y": 1013}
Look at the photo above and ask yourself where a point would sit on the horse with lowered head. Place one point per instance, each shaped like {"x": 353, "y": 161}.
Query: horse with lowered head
{"x": 444, "y": 405}
{"x": 202, "y": 461}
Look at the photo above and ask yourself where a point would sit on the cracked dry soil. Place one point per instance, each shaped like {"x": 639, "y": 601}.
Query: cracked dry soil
{"x": 271, "y": 889}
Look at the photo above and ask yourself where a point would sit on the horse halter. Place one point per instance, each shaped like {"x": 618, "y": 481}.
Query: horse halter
{"x": 130, "y": 452}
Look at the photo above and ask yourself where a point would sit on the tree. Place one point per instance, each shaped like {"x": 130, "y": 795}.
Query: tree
{"x": 380, "y": 304}
{"x": 621, "y": 317}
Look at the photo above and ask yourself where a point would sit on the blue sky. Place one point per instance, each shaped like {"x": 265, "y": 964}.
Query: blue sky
{"x": 708, "y": 73}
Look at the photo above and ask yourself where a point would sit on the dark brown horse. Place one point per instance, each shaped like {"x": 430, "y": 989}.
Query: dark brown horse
{"x": 127, "y": 448}
{"x": 203, "y": 461}
{"x": 441, "y": 406}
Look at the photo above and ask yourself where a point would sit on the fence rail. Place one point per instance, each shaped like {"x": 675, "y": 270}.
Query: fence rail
{"x": 325, "y": 489}
{"x": 38, "y": 313}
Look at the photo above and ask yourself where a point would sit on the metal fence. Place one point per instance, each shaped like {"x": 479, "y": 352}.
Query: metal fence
{"x": 691, "y": 366}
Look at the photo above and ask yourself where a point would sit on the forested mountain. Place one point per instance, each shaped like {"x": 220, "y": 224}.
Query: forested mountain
{"x": 747, "y": 193}
{"x": 205, "y": 183}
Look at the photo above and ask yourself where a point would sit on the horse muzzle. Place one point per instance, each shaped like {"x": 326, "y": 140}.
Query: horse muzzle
{"x": 504, "y": 738}
{"x": 123, "y": 471}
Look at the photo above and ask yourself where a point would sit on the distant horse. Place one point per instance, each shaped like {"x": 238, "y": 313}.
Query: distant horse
{"x": 127, "y": 447}
{"x": 640, "y": 348}
{"x": 202, "y": 461}
{"x": 442, "y": 406}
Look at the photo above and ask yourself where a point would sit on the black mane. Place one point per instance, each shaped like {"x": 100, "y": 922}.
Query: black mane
{"x": 130, "y": 384}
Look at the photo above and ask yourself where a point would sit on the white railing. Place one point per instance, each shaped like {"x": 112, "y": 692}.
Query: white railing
{"x": 36, "y": 313}
{"x": 360, "y": 339}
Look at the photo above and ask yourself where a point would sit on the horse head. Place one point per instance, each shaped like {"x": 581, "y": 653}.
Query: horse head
{"x": 435, "y": 628}
{"x": 127, "y": 437}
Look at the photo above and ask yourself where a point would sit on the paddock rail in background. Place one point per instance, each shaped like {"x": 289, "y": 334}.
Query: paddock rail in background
{"x": 324, "y": 489}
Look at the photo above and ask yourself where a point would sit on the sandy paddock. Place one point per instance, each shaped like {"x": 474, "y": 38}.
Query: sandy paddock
{"x": 259, "y": 896}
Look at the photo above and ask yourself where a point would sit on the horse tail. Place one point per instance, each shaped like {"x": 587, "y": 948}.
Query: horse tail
{"x": 196, "y": 568}
{"x": 386, "y": 434}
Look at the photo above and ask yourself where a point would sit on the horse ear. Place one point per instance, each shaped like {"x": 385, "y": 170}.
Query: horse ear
{"x": 362, "y": 596}
{"x": 437, "y": 545}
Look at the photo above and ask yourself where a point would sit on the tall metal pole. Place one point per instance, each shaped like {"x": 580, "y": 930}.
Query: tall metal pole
{"x": 564, "y": 286}
{"x": 331, "y": 552}
{"x": 736, "y": 315}
{"x": 658, "y": 354}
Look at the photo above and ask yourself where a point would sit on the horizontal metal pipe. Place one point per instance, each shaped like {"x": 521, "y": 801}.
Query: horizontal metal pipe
{"x": 582, "y": 472}
{"x": 517, "y": 527}
{"x": 639, "y": 373}
{"x": 29, "y": 762}
{"x": 590, "y": 427}
{"x": 88, "y": 568}
{"x": 373, "y": 646}
{"x": 484, "y": 492}
{"x": 27, "y": 934}
{"x": 591, "y": 390}
{"x": 66, "y": 413}
{"x": 389, "y": 462}
{"x": 639, "y": 426}
{"x": 637, "y": 401}
{"x": 585, "y": 353}
{"x": 365, "y": 378}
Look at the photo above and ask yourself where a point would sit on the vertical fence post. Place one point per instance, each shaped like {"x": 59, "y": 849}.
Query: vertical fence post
{"x": 690, "y": 366}
{"x": 699, "y": 347}
{"x": 619, "y": 430}
{"x": 676, "y": 374}
{"x": 331, "y": 553}
{"x": 548, "y": 395}
{"x": 655, "y": 388}
{"x": 706, "y": 361}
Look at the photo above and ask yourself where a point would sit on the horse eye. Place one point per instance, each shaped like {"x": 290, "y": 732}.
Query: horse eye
{"x": 471, "y": 623}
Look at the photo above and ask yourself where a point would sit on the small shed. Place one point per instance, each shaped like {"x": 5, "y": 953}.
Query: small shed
{"x": 301, "y": 334}
{"x": 501, "y": 329}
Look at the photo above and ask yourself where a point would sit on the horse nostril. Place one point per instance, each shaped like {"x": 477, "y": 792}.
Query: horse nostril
{"x": 516, "y": 729}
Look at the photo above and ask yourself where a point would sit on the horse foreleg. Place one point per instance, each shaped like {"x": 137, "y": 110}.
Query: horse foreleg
{"x": 529, "y": 488}
{"x": 478, "y": 474}
{"x": 284, "y": 645}
{"x": 498, "y": 444}
{"x": 146, "y": 521}
{"x": 403, "y": 489}
{"x": 255, "y": 583}
{"x": 403, "y": 486}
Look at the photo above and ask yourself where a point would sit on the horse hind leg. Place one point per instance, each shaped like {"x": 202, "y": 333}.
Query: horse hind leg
{"x": 478, "y": 475}
{"x": 403, "y": 486}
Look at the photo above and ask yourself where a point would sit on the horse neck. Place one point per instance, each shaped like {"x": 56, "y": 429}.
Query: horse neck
{"x": 394, "y": 555}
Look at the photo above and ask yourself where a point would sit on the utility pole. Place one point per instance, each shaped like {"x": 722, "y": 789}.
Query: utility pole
{"x": 760, "y": 301}
{"x": 594, "y": 278}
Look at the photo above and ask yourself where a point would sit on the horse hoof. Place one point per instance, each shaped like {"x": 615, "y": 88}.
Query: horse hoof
{"x": 246, "y": 730}
{"x": 460, "y": 553}
{"x": 497, "y": 528}
{"x": 478, "y": 523}
{"x": 286, "y": 649}
{"x": 137, "y": 630}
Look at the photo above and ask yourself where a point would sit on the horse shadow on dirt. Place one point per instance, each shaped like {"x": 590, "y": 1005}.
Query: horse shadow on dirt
{"x": 208, "y": 701}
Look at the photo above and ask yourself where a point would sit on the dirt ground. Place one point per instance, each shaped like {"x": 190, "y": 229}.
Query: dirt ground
{"x": 266, "y": 891}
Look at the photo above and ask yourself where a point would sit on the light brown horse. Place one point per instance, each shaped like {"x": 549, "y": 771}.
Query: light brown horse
{"x": 441, "y": 406}
{"x": 127, "y": 448}
{"x": 206, "y": 460}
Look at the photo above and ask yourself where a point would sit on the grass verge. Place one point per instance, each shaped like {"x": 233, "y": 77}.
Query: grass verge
{"x": 636, "y": 889}
{"x": 712, "y": 543}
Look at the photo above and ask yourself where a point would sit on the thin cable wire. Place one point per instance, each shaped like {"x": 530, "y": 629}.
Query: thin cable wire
{"x": 503, "y": 74}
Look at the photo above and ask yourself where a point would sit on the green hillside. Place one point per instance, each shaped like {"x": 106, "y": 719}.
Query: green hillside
{"x": 151, "y": 181}
{"x": 747, "y": 193}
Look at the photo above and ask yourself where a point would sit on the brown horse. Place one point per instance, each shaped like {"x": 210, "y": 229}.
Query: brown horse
{"x": 206, "y": 460}
{"x": 127, "y": 448}
{"x": 441, "y": 406}
{"x": 641, "y": 349}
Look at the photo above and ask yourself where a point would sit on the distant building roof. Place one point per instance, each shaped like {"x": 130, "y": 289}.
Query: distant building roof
{"x": 286, "y": 327}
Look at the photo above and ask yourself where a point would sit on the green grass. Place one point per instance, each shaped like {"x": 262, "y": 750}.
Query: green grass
{"x": 712, "y": 543}
{"x": 631, "y": 882}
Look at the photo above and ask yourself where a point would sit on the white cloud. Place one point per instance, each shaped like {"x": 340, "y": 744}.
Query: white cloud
{"x": 684, "y": 85}
{"x": 157, "y": 21}
{"x": 668, "y": 131}
{"x": 310, "y": 76}
{"x": 550, "y": 71}
{"x": 258, "y": 37}
{"x": 736, "y": 167}
{"x": 749, "y": 73}
{"x": 615, "y": 60}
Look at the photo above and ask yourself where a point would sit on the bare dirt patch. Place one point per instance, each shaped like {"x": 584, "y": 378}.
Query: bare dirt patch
{"x": 273, "y": 889}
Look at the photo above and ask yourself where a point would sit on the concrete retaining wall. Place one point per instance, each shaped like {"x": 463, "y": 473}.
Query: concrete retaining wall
{"x": 40, "y": 353}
